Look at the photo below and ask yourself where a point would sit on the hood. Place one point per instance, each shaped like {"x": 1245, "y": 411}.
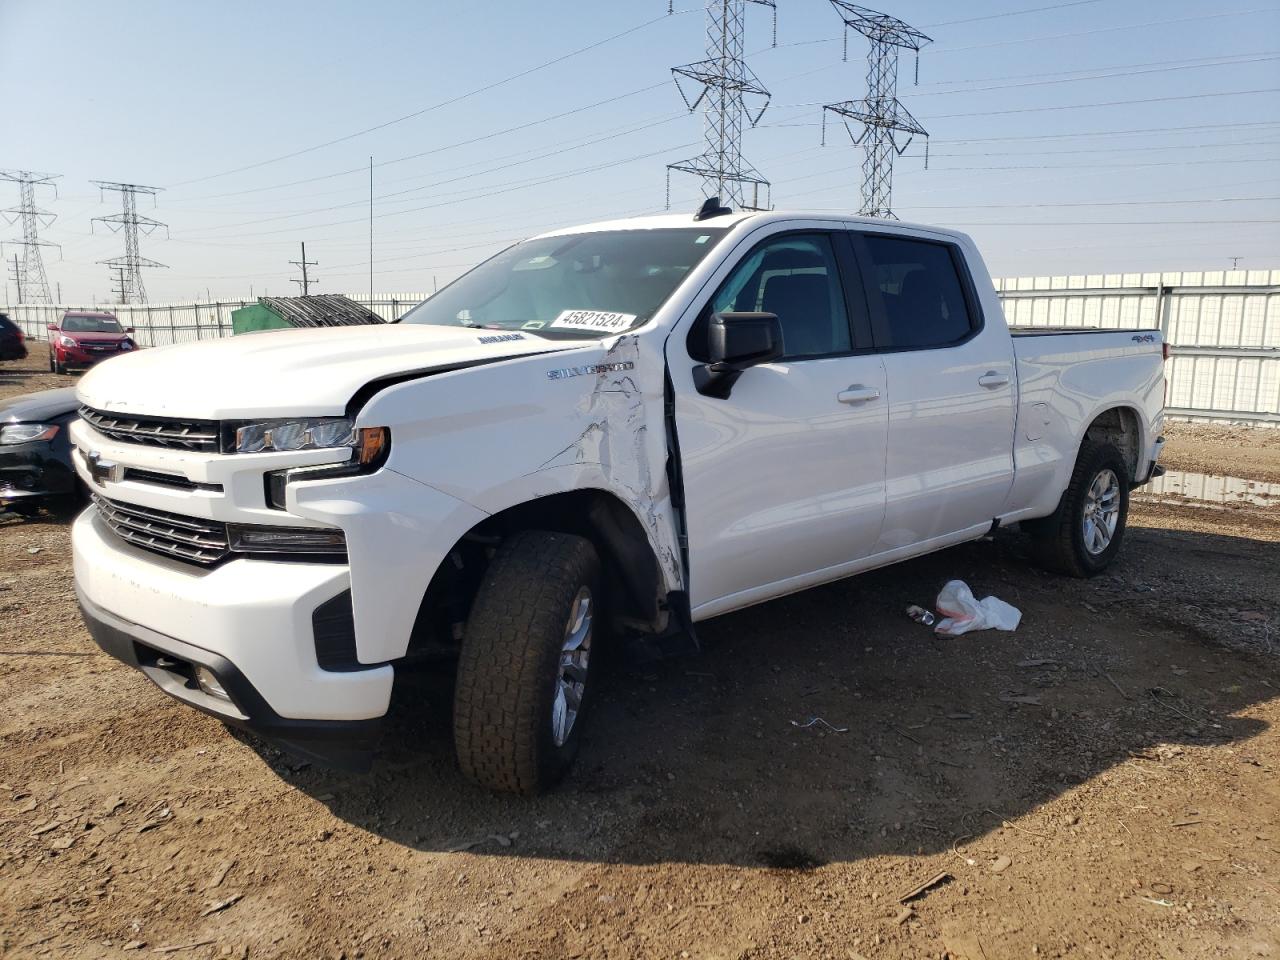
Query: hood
{"x": 94, "y": 336}
{"x": 304, "y": 372}
{"x": 39, "y": 407}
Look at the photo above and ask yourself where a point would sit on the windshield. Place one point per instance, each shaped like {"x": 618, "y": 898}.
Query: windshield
{"x": 582, "y": 285}
{"x": 90, "y": 325}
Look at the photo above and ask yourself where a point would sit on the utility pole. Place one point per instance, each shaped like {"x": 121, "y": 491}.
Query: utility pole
{"x": 730, "y": 96}
{"x": 1235, "y": 262}
{"x": 130, "y": 223}
{"x": 304, "y": 283}
{"x": 32, "y": 217}
{"x": 884, "y": 121}
{"x": 121, "y": 286}
{"x": 17, "y": 276}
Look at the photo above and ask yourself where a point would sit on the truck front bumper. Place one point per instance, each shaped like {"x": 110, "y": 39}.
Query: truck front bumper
{"x": 249, "y": 624}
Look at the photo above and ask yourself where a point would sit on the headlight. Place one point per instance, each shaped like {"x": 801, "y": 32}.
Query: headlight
{"x": 26, "y": 432}
{"x": 316, "y": 433}
{"x": 126, "y": 345}
{"x": 67, "y": 342}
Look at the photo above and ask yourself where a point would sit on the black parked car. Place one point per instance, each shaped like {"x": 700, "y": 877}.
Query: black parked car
{"x": 35, "y": 452}
{"x": 12, "y": 343}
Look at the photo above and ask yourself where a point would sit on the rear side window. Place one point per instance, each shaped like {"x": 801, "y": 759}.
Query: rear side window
{"x": 923, "y": 294}
{"x": 7, "y": 325}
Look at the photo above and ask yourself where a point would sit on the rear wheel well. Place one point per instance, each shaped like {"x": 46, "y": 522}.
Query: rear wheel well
{"x": 1120, "y": 427}
{"x": 633, "y": 579}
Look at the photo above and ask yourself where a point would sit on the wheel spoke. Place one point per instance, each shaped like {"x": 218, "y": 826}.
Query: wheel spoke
{"x": 572, "y": 668}
{"x": 573, "y": 699}
{"x": 559, "y": 715}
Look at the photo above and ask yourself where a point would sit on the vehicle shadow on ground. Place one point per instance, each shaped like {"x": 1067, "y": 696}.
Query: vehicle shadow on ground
{"x": 700, "y": 759}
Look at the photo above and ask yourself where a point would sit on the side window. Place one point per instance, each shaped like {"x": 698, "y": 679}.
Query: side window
{"x": 920, "y": 287}
{"x": 794, "y": 276}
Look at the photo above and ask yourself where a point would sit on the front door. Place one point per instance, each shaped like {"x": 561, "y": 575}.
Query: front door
{"x": 784, "y": 479}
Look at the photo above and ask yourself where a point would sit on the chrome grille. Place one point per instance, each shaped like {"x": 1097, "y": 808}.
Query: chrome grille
{"x": 188, "y": 538}
{"x": 155, "y": 431}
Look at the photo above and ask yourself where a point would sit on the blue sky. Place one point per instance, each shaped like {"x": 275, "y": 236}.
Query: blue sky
{"x": 1080, "y": 137}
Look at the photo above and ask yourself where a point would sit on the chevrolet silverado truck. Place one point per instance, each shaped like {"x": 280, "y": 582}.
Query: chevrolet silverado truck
{"x": 602, "y": 434}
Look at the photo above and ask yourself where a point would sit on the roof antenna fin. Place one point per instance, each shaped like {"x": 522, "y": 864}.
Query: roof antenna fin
{"x": 711, "y": 207}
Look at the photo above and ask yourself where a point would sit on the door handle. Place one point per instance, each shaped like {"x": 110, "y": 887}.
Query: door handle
{"x": 857, "y": 393}
{"x": 991, "y": 380}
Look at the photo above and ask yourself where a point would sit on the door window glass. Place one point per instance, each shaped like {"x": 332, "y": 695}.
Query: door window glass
{"x": 796, "y": 278}
{"x": 924, "y": 301}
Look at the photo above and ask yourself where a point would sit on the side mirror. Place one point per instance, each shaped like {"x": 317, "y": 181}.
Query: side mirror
{"x": 128, "y": 329}
{"x": 52, "y": 326}
{"x": 736, "y": 341}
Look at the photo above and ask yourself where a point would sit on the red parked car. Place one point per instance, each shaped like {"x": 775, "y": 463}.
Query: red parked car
{"x": 82, "y": 338}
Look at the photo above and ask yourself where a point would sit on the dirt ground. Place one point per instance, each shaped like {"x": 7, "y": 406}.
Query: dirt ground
{"x": 1100, "y": 783}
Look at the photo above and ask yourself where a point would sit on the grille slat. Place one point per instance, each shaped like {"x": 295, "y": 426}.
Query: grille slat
{"x": 188, "y": 538}
{"x": 155, "y": 431}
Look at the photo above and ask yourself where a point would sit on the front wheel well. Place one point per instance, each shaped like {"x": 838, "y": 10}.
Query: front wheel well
{"x": 633, "y": 578}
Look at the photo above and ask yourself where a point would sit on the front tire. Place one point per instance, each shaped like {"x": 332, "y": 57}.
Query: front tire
{"x": 1084, "y": 534}
{"x": 525, "y": 671}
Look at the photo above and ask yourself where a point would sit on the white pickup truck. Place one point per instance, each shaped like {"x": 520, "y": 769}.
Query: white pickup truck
{"x": 604, "y": 433}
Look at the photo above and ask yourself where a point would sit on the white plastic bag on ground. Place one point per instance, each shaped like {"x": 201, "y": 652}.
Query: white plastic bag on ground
{"x": 961, "y": 613}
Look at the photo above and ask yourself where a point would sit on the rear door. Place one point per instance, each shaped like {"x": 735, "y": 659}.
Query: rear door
{"x": 784, "y": 479}
{"x": 951, "y": 389}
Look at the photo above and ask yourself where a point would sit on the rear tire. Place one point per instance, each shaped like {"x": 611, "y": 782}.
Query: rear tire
{"x": 1083, "y": 536}
{"x": 525, "y": 670}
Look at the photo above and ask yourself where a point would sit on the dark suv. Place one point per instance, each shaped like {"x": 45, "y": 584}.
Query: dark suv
{"x": 12, "y": 343}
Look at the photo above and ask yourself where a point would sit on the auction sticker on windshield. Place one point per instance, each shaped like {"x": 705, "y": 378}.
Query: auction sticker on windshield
{"x": 594, "y": 320}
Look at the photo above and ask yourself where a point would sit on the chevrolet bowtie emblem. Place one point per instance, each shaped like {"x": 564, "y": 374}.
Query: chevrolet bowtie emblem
{"x": 103, "y": 470}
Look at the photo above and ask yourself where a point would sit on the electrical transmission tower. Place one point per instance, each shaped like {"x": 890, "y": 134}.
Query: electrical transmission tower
{"x": 731, "y": 96}
{"x": 33, "y": 284}
{"x": 305, "y": 283}
{"x": 884, "y": 121}
{"x": 131, "y": 224}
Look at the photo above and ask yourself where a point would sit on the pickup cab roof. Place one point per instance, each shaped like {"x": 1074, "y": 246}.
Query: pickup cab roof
{"x": 755, "y": 217}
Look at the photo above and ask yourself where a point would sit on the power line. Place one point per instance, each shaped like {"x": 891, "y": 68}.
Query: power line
{"x": 1111, "y": 166}
{"x": 490, "y": 191}
{"x": 470, "y": 175}
{"x": 435, "y": 106}
{"x": 1136, "y": 131}
{"x": 1106, "y": 103}
{"x": 1227, "y": 60}
{"x": 1086, "y": 203}
{"x": 434, "y": 150}
{"x": 1089, "y": 33}
{"x": 1100, "y": 76}
{"x": 1013, "y": 13}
